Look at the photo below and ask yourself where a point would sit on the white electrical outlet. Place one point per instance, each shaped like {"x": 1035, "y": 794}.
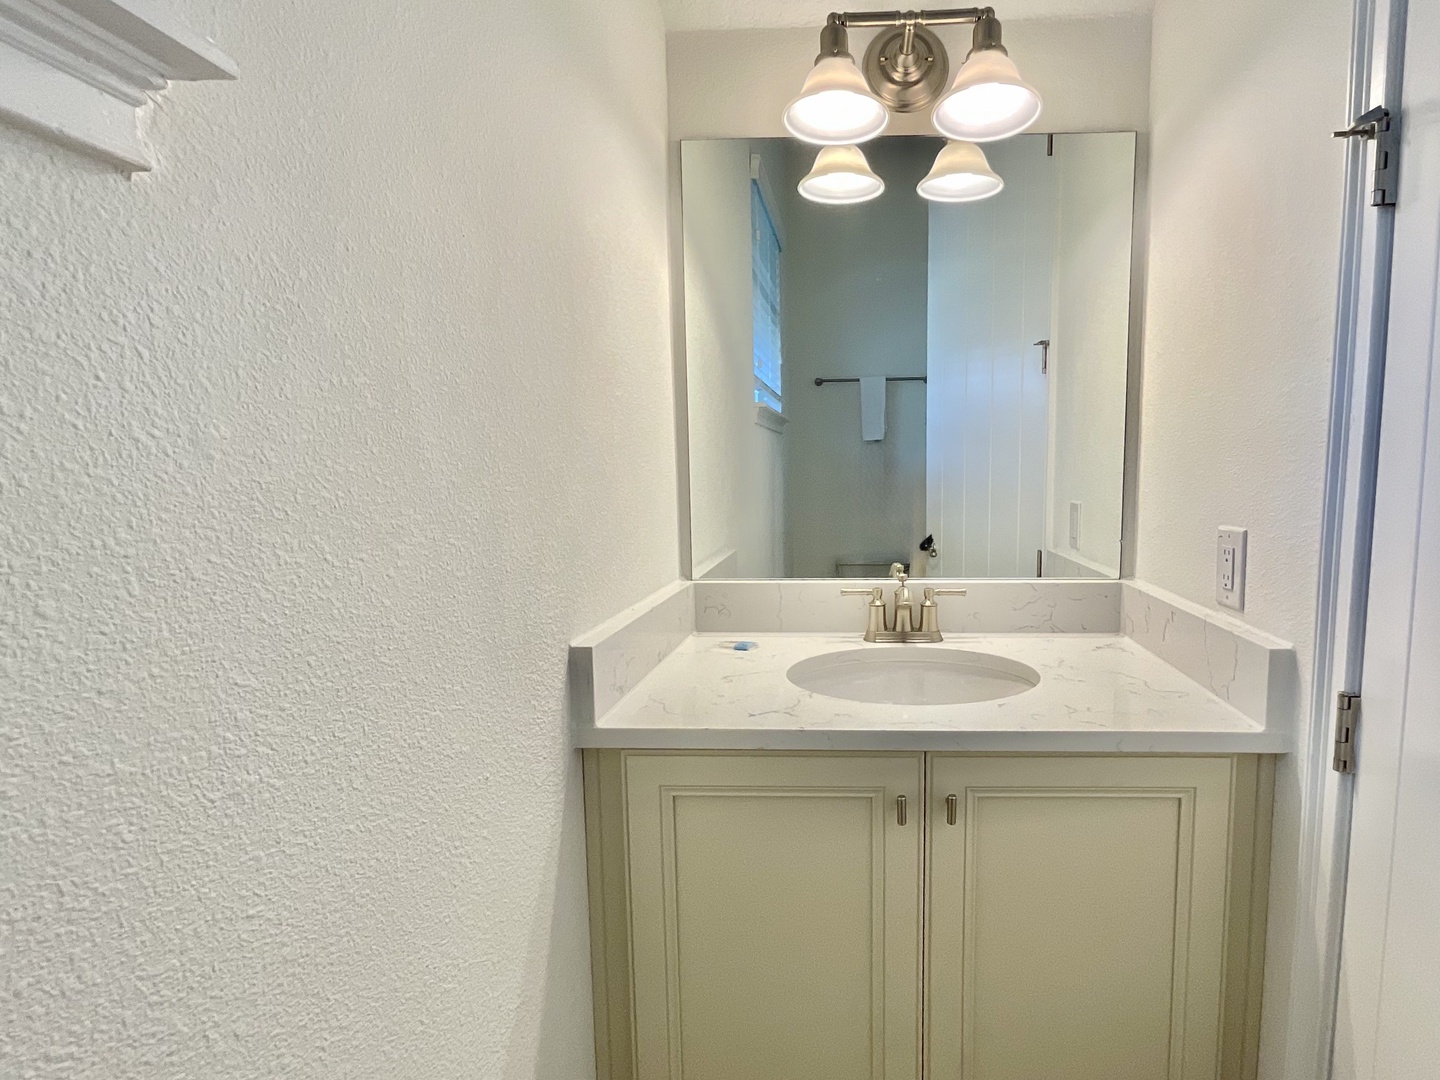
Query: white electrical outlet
{"x": 1074, "y": 524}
{"x": 1230, "y": 567}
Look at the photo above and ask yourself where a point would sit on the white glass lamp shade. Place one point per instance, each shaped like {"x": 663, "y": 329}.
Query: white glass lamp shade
{"x": 988, "y": 100}
{"x": 960, "y": 174}
{"x": 841, "y": 175}
{"x": 835, "y": 106}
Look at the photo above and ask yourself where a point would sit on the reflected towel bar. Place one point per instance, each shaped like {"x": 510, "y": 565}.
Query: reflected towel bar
{"x": 888, "y": 378}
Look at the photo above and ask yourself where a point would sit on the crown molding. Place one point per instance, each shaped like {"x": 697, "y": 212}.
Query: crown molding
{"x": 77, "y": 71}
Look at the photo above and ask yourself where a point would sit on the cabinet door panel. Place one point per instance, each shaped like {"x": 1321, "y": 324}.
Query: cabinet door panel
{"x": 775, "y": 910}
{"x": 1077, "y": 917}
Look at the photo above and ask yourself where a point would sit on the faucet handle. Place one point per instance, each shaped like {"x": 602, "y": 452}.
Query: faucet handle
{"x": 929, "y": 610}
{"x": 874, "y": 610}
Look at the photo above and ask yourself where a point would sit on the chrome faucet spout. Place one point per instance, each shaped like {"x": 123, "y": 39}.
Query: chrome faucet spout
{"x": 904, "y": 627}
{"x": 904, "y": 621}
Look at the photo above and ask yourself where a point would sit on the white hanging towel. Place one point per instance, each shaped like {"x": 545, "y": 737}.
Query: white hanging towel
{"x": 872, "y": 408}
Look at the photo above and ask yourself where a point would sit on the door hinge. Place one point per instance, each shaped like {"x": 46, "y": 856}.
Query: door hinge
{"x": 1347, "y": 715}
{"x": 1379, "y": 125}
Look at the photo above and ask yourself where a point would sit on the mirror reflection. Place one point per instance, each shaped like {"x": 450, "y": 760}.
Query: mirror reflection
{"x": 902, "y": 380}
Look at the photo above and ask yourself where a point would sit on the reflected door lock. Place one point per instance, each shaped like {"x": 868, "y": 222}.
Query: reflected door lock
{"x": 1044, "y": 344}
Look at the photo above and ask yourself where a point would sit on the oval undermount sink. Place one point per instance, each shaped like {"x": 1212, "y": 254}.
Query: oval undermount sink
{"x": 912, "y": 675}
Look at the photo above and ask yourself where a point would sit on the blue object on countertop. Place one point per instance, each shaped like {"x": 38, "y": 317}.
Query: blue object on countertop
{"x": 744, "y": 646}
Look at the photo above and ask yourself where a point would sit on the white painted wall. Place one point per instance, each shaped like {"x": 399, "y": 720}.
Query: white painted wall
{"x": 316, "y": 446}
{"x": 1093, "y": 74}
{"x": 1089, "y": 336}
{"x": 991, "y": 277}
{"x": 736, "y": 465}
{"x": 1244, "y": 235}
{"x": 734, "y": 14}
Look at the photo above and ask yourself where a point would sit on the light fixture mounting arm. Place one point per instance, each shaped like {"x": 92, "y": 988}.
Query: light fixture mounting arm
{"x": 834, "y": 41}
{"x": 874, "y": 20}
{"x": 906, "y": 65}
{"x": 987, "y": 34}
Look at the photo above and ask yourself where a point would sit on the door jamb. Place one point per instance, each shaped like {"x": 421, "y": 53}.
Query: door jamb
{"x": 1347, "y": 518}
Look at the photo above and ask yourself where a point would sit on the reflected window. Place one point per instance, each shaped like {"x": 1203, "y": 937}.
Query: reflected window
{"x": 765, "y": 268}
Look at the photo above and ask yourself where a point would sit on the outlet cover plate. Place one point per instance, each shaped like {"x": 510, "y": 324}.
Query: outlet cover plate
{"x": 1230, "y": 567}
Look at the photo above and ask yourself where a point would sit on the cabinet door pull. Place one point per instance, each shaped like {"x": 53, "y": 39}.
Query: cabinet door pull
{"x": 952, "y": 808}
{"x": 899, "y": 809}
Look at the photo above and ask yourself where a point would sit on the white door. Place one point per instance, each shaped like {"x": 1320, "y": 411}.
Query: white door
{"x": 1388, "y": 1019}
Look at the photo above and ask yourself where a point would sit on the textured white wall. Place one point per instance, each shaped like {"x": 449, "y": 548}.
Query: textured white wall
{"x": 1243, "y": 252}
{"x": 316, "y": 446}
{"x": 1093, "y": 74}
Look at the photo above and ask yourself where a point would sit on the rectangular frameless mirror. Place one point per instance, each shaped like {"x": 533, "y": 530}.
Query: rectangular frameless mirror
{"x": 936, "y": 384}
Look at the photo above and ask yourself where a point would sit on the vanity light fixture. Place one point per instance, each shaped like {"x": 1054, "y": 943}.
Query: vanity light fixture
{"x": 835, "y": 107}
{"x": 906, "y": 69}
{"x": 988, "y": 99}
{"x": 960, "y": 174}
{"x": 840, "y": 176}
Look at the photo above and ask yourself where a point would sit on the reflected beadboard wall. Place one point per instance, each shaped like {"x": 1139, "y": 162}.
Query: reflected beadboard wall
{"x": 990, "y": 283}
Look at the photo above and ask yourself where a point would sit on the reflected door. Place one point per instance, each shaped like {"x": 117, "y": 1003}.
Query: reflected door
{"x": 987, "y": 412}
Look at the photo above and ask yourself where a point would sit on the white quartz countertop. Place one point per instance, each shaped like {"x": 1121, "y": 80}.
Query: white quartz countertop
{"x": 1098, "y": 693}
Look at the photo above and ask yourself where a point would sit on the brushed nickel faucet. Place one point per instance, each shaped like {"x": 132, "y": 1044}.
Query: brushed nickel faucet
{"x": 901, "y": 627}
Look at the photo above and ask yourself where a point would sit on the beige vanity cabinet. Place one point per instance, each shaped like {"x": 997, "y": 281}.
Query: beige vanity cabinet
{"x": 858, "y": 916}
{"x": 774, "y": 914}
{"x": 1093, "y": 918}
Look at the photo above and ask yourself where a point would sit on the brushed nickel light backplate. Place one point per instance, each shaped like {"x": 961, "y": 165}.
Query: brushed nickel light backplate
{"x": 906, "y": 83}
